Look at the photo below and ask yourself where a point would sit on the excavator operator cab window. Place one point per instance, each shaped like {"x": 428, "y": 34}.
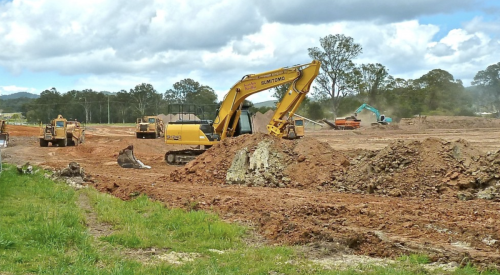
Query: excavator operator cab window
{"x": 244, "y": 124}
{"x": 151, "y": 120}
{"x": 382, "y": 118}
{"x": 59, "y": 124}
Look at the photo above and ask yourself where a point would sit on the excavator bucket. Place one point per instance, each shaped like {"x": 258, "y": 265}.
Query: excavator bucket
{"x": 4, "y": 140}
{"x": 126, "y": 159}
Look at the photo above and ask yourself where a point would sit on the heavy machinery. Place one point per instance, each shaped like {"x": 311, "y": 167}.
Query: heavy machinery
{"x": 381, "y": 119}
{"x": 149, "y": 127}
{"x": 347, "y": 123}
{"x": 4, "y": 135}
{"x": 62, "y": 132}
{"x": 233, "y": 117}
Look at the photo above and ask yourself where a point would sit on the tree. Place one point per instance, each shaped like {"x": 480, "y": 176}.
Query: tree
{"x": 86, "y": 98}
{"x": 121, "y": 104}
{"x": 337, "y": 77}
{"x": 315, "y": 111}
{"x": 142, "y": 96}
{"x": 373, "y": 78}
{"x": 48, "y": 104}
{"x": 442, "y": 93}
{"x": 280, "y": 91}
{"x": 489, "y": 82}
{"x": 190, "y": 91}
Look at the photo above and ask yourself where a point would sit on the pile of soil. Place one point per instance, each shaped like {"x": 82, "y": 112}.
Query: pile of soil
{"x": 260, "y": 121}
{"x": 264, "y": 160}
{"x": 448, "y": 122}
{"x": 171, "y": 117}
{"x": 442, "y": 168}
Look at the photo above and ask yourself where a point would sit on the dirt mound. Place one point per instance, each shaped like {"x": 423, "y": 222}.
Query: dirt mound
{"x": 442, "y": 168}
{"x": 448, "y": 122}
{"x": 175, "y": 117}
{"x": 264, "y": 160}
{"x": 260, "y": 121}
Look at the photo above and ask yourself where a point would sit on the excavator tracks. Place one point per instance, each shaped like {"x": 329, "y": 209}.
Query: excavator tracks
{"x": 181, "y": 157}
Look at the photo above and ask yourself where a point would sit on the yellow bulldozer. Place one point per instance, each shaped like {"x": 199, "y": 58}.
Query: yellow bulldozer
{"x": 4, "y": 135}
{"x": 61, "y": 132}
{"x": 149, "y": 127}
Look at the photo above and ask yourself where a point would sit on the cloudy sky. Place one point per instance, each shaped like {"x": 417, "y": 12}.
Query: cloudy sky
{"x": 109, "y": 45}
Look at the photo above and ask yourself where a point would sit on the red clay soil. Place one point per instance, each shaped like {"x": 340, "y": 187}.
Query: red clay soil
{"x": 433, "y": 196}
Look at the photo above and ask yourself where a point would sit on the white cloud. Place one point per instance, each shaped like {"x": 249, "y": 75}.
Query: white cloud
{"x": 112, "y": 45}
{"x": 7, "y": 90}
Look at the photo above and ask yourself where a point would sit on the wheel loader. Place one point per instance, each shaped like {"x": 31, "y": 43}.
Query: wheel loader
{"x": 61, "y": 132}
{"x": 4, "y": 135}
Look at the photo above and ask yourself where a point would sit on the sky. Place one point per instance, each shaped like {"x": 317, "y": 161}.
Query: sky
{"x": 110, "y": 45}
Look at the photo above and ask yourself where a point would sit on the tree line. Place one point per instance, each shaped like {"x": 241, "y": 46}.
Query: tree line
{"x": 341, "y": 87}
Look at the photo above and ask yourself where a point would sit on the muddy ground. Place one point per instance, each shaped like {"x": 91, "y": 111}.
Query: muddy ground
{"x": 374, "y": 191}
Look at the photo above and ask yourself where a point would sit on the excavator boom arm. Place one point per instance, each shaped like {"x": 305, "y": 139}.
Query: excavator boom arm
{"x": 369, "y": 108}
{"x": 293, "y": 98}
{"x": 301, "y": 76}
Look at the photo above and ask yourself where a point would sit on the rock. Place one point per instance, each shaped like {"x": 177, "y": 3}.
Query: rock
{"x": 454, "y": 175}
{"x": 236, "y": 173}
{"x": 465, "y": 196}
{"x": 487, "y": 194}
{"x": 395, "y": 193}
{"x": 25, "y": 169}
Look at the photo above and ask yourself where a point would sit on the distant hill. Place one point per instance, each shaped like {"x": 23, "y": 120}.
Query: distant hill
{"x": 19, "y": 95}
{"x": 269, "y": 103}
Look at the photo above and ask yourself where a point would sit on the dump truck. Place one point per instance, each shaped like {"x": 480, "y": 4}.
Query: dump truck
{"x": 149, "y": 127}
{"x": 4, "y": 135}
{"x": 61, "y": 132}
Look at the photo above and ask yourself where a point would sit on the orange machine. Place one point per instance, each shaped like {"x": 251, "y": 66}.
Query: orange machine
{"x": 348, "y": 123}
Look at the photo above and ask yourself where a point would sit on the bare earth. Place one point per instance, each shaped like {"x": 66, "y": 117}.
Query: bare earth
{"x": 330, "y": 198}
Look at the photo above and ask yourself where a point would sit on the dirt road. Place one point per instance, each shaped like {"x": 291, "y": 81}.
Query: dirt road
{"x": 444, "y": 227}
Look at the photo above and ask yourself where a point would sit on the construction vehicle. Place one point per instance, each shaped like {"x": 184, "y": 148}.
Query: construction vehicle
{"x": 62, "y": 132}
{"x": 4, "y": 135}
{"x": 381, "y": 119}
{"x": 149, "y": 127}
{"x": 347, "y": 123}
{"x": 233, "y": 117}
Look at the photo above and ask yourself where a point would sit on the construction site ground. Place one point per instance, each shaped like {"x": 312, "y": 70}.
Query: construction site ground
{"x": 327, "y": 200}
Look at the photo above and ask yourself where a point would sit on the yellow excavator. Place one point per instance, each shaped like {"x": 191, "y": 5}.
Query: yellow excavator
{"x": 233, "y": 117}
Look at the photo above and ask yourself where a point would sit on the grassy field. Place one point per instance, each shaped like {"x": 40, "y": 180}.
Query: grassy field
{"x": 47, "y": 227}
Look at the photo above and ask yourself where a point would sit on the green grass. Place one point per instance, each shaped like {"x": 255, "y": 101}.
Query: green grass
{"x": 141, "y": 223}
{"x": 43, "y": 231}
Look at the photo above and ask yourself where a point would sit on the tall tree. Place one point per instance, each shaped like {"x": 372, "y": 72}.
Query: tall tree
{"x": 337, "y": 78}
{"x": 121, "y": 103}
{"x": 142, "y": 97}
{"x": 190, "y": 92}
{"x": 48, "y": 104}
{"x": 488, "y": 81}
{"x": 442, "y": 92}
{"x": 373, "y": 78}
